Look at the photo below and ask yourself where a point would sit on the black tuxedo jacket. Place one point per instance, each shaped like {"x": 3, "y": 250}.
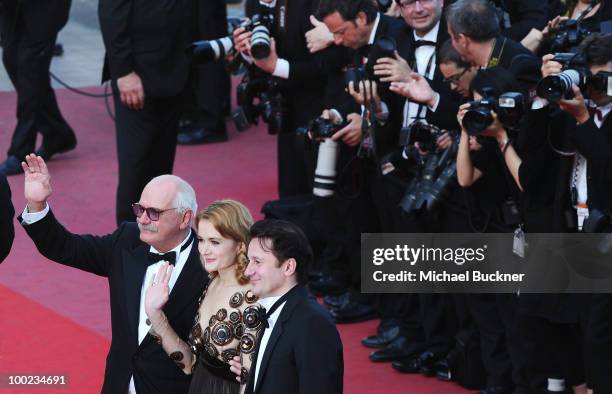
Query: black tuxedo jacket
{"x": 519, "y": 60}
{"x": 7, "y": 212}
{"x": 150, "y": 38}
{"x": 305, "y": 87}
{"x": 304, "y": 352}
{"x": 595, "y": 144}
{"x": 42, "y": 19}
{"x": 122, "y": 258}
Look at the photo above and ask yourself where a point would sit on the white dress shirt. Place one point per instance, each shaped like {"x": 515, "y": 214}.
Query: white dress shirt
{"x": 267, "y": 303}
{"x": 423, "y": 55}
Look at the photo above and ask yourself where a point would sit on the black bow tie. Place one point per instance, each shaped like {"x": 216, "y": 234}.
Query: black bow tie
{"x": 420, "y": 43}
{"x": 169, "y": 256}
{"x": 264, "y": 315}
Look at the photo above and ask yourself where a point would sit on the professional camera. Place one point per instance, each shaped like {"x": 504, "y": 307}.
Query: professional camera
{"x": 383, "y": 47}
{"x": 423, "y": 133}
{"x": 568, "y": 35}
{"x": 260, "y": 26}
{"x": 325, "y": 173}
{"x": 510, "y": 107}
{"x": 557, "y": 87}
{"x": 260, "y": 95}
{"x": 432, "y": 180}
{"x": 210, "y": 50}
{"x": 601, "y": 82}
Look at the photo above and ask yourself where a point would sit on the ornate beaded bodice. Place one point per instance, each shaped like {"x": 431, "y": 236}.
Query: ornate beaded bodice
{"x": 231, "y": 331}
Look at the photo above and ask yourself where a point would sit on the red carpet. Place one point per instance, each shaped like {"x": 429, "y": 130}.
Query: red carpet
{"x": 56, "y": 320}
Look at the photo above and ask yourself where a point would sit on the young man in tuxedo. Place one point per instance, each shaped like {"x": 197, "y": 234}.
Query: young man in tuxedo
{"x": 129, "y": 258}
{"x": 7, "y": 212}
{"x": 300, "y": 349}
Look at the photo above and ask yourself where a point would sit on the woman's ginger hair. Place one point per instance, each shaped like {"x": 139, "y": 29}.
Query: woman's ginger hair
{"x": 232, "y": 220}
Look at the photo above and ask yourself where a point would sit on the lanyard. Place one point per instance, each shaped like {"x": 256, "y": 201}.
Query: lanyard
{"x": 407, "y": 120}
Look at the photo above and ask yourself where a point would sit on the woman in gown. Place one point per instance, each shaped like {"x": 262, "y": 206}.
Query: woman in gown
{"x": 226, "y": 324}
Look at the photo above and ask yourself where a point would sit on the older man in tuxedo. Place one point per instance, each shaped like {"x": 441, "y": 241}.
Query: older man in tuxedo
{"x": 129, "y": 258}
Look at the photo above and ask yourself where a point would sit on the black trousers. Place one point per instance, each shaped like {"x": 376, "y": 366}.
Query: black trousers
{"x": 27, "y": 63}
{"x": 599, "y": 343}
{"x": 295, "y": 168}
{"x": 146, "y": 146}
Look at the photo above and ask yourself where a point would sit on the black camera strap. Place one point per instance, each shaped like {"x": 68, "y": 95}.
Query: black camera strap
{"x": 281, "y": 23}
{"x": 406, "y": 120}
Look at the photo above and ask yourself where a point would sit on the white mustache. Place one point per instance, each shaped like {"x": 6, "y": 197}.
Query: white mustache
{"x": 148, "y": 227}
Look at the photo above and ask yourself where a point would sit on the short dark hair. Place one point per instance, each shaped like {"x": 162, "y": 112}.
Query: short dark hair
{"x": 498, "y": 79}
{"x": 476, "y": 19}
{"x": 448, "y": 54}
{"x": 348, "y": 9}
{"x": 287, "y": 241}
{"x": 597, "y": 49}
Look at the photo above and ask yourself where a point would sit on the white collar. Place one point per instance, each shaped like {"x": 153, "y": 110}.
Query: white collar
{"x": 374, "y": 28}
{"x": 605, "y": 110}
{"x": 432, "y": 35}
{"x": 268, "y": 301}
{"x": 271, "y": 4}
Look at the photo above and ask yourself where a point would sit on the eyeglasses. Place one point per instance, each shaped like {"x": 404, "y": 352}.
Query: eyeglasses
{"x": 152, "y": 213}
{"x": 455, "y": 78}
{"x": 411, "y": 3}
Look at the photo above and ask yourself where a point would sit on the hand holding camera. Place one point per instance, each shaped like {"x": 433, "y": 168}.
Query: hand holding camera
{"x": 319, "y": 37}
{"x": 390, "y": 69}
{"x": 351, "y": 133}
{"x": 242, "y": 41}
{"x": 576, "y": 106}
{"x": 366, "y": 93}
{"x": 268, "y": 64}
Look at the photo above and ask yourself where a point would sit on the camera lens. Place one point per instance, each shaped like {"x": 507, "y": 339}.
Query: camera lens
{"x": 555, "y": 87}
{"x": 207, "y": 51}
{"x": 260, "y": 42}
{"x": 477, "y": 120}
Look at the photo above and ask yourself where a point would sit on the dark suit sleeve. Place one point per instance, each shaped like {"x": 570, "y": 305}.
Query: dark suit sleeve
{"x": 525, "y": 15}
{"x": 593, "y": 143}
{"x": 320, "y": 367}
{"x": 115, "y": 17}
{"x": 7, "y": 212}
{"x": 445, "y": 116}
{"x": 86, "y": 252}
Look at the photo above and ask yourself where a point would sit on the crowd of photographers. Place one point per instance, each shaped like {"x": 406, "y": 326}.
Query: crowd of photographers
{"x": 450, "y": 117}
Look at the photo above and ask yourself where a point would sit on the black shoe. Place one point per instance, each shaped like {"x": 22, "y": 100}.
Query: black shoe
{"x": 382, "y": 339}
{"x": 496, "y": 390}
{"x": 353, "y": 312}
{"x": 48, "y": 149}
{"x": 200, "y": 136}
{"x": 397, "y": 349}
{"x": 11, "y": 166}
{"x": 327, "y": 285}
{"x": 429, "y": 362}
{"x": 442, "y": 371}
{"x": 337, "y": 301}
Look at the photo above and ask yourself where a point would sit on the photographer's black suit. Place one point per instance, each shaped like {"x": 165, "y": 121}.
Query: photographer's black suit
{"x": 148, "y": 38}
{"x": 28, "y": 30}
{"x": 7, "y": 213}
{"x": 304, "y": 352}
{"x": 303, "y": 91}
{"x": 123, "y": 259}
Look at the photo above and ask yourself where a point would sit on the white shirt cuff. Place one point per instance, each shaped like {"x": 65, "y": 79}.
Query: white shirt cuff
{"x": 436, "y": 102}
{"x": 282, "y": 69}
{"x": 33, "y": 217}
{"x": 539, "y": 103}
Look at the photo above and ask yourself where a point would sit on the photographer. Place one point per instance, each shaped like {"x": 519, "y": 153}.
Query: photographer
{"x": 355, "y": 27}
{"x": 474, "y": 29}
{"x": 593, "y": 191}
{"x": 519, "y": 17}
{"x": 28, "y": 30}
{"x": 301, "y": 82}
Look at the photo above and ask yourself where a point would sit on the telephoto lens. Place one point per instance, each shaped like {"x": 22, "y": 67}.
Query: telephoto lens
{"x": 557, "y": 87}
{"x": 325, "y": 174}
{"x": 209, "y": 50}
{"x": 260, "y": 42}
